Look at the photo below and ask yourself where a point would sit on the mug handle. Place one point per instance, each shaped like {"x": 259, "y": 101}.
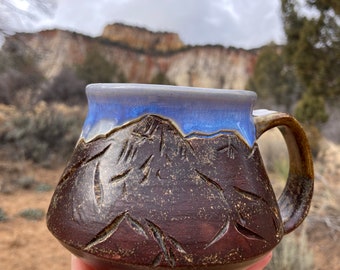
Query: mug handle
{"x": 295, "y": 200}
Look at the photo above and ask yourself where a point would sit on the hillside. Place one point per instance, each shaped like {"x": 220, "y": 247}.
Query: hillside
{"x": 140, "y": 55}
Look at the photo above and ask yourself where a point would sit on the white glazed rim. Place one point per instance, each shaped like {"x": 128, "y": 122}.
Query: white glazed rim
{"x": 193, "y": 109}
{"x": 104, "y": 89}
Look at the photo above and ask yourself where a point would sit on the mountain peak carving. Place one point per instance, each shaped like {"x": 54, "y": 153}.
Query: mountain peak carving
{"x": 146, "y": 189}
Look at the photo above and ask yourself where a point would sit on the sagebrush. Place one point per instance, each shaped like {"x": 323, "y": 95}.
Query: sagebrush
{"x": 42, "y": 134}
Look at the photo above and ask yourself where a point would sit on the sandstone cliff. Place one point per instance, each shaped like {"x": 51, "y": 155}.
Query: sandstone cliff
{"x": 204, "y": 66}
{"x": 142, "y": 39}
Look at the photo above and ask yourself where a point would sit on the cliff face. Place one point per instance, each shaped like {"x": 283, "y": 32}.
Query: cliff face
{"x": 142, "y": 39}
{"x": 203, "y": 66}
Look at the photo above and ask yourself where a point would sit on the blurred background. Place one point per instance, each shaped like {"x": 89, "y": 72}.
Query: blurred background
{"x": 287, "y": 51}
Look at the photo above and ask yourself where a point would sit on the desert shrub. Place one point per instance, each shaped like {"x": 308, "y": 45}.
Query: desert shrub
{"x": 25, "y": 182}
{"x": 41, "y": 135}
{"x": 14, "y": 83}
{"x": 311, "y": 112}
{"x": 43, "y": 187}
{"x": 3, "y": 215}
{"x": 19, "y": 73}
{"x": 161, "y": 78}
{"x": 314, "y": 138}
{"x": 96, "y": 69}
{"x": 3, "y": 61}
{"x": 66, "y": 87}
{"x": 292, "y": 253}
{"x": 32, "y": 214}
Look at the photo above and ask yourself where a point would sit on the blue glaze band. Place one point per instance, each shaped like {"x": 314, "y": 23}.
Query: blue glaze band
{"x": 193, "y": 110}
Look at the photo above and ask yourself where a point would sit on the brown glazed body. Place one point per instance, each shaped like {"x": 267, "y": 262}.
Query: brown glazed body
{"x": 145, "y": 196}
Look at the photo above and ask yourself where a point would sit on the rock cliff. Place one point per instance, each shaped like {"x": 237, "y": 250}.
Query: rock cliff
{"x": 142, "y": 39}
{"x": 140, "y": 55}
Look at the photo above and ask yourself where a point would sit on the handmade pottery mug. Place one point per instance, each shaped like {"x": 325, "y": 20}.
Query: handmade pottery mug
{"x": 172, "y": 177}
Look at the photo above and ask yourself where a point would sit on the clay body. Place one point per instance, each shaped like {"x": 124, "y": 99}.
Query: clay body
{"x": 145, "y": 195}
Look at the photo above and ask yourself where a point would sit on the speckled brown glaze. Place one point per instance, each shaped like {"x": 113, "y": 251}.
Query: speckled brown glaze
{"x": 144, "y": 196}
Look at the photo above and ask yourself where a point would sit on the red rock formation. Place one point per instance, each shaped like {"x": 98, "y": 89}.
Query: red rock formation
{"x": 203, "y": 66}
{"x": 142, "y": 39}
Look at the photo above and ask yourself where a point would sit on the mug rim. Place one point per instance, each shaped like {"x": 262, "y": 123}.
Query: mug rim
{"x": 103, "y": 89}
{"x": 193, "y": 109}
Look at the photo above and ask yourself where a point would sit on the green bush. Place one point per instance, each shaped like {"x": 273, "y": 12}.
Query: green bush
{"x": 3, "y": 216}
{"x": 161, "y": 78}
{"x": 96, "y": 69}
{"x": 42, "y": 134}
{"x": 43, "y": 187}
{"x": 19, "y": 73}
{"x": 67, "y": 88}
{"x": 25, "y": 182}
{"x": 32, "y": 214}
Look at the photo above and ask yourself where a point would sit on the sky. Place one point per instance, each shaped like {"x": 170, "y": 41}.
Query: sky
{"x": 240, "y": 23}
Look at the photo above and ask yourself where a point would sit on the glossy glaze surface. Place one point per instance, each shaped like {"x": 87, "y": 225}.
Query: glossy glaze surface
{"x": 193, "y": 110}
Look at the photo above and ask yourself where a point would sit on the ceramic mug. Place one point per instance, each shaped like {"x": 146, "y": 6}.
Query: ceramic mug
{"x": 172, "y": 177}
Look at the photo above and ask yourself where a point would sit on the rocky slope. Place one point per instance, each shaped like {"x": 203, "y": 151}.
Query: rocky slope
{"x": 140, "y": 55}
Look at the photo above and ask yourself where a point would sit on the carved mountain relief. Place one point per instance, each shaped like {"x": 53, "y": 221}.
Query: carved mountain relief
{"x": 146, "y": 195}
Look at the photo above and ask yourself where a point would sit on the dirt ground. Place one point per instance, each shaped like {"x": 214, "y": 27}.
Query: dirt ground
{"x": 27, "y": 244}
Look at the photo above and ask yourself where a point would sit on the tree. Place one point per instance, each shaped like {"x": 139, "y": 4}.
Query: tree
{"x": 310, "y": 109}
{"x": 96, "y": 69}
{"x": 19, "y": 74}
{"x": 66, "y": 87}
{"x": 273, "y": 79}
{"x": 313, "y": 50}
